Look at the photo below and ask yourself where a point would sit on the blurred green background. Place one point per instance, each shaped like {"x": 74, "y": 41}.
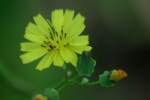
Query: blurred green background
{"x": 119, "y": 32}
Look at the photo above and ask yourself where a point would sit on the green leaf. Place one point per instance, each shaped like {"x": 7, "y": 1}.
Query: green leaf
{"x": 52, "y": 94}
{"x": 86, "y": 65}
{"x": 104, "y": 79}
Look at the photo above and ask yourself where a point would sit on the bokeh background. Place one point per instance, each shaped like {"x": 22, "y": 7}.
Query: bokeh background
{"x": 119, "y": 32}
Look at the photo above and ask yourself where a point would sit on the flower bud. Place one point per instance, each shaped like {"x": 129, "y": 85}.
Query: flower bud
{"x": 117, "y": 75}
{"x": 69, "y": 73}
{"x": 40, "y": 97}
{"x": 84, "y": 80}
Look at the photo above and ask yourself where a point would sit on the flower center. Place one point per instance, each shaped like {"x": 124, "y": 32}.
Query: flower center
{"x": 55, "y": 41}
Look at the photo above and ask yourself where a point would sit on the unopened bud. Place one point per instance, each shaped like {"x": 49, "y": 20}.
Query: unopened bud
{"x": 69, "y": 73}
{"x": 117, "y": 75}
{"x": 84, "y": 81}
{"x": 40, "y": 97}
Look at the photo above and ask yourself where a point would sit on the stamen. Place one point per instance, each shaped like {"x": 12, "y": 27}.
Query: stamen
{"x": 66, "y": 44}
{"x": 43, "y": 45}
{"x": 60, "y": 37}
{"x": 65, "y": 35}
{"x": 57, "y": 42}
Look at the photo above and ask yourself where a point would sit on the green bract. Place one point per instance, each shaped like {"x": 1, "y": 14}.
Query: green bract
{"x": 104, "y": 79}
{"x": 52, "y": 94}
{"x": 58, "y": 40}
{"x": 86, "y": 65}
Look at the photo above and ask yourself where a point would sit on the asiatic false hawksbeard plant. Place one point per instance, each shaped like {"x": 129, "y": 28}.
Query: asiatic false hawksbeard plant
{"x": 59, "y": 41}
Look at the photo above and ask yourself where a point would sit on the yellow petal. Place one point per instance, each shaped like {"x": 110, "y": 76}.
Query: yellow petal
{"x": 33, "y": 34}
{"x": 45, "y": 62}
{"x": 74, "y": 60}
{"x": 57, "y": 59}
{"x": 29, "y": 46}
{"x": 80, "y": 49}
{"x": 88, "y": 48}
{"x": 32, "y": 28}
{"x": 33, "y": 55}
{"x": 68, "y": 16}
{"x": 66, "y": 54}
{"x": 42, "y": 24}
{"x": 57, "y": 20}
{"x": 80, "y": 40}
{"x": 77, "y": 26}
{"x": 34, "y": 38}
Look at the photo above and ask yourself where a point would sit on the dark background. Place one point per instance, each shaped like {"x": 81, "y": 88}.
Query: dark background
{"x": 119, "y": 33}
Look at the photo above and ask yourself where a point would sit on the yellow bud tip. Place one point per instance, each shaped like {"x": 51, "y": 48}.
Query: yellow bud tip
{"x": 40, "y": 97}
{"x": 118, "y": 75}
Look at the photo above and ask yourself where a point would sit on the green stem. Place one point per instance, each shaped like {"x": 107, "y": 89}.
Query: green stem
{"x": 65, "y": 83}
{"x": 92, "y": 83}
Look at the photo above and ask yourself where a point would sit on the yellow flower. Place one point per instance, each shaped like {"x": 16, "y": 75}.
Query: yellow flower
{"x": 58, "y": 40}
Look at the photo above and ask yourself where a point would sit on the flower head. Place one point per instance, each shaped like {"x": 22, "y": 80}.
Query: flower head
{"x": 58, "y": 40}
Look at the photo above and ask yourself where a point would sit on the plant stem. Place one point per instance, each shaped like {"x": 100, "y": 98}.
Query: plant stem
{"x": 92, "y": 83}
{"x": 65, "y": 83}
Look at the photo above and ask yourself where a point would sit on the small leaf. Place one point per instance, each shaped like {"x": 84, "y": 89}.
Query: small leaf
{"x": 86, "y": 65}
{"x": 104, "y": 79}
{"x": 52, "y": 94}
